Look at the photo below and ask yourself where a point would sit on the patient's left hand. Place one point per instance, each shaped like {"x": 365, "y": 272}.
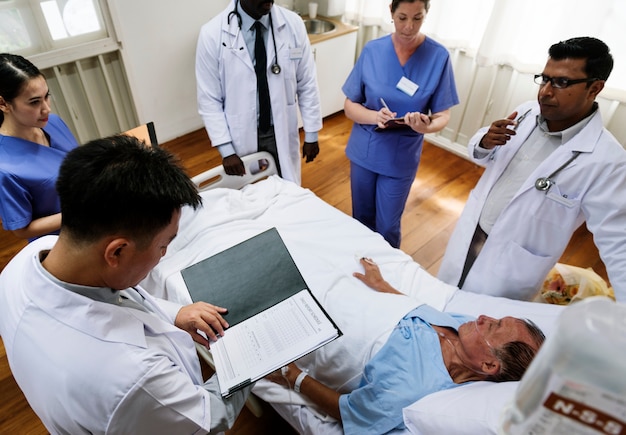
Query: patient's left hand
{"x": 373, "y": 278}
{"x": 204, "y": 317}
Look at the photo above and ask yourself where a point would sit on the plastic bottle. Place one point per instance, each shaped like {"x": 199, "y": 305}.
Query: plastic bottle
{"x": 577, "y": 382}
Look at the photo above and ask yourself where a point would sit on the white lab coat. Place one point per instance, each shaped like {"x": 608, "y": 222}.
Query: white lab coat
{"x": 534, "y": 229}
{"x": 227, "y": 91}
{"x": 94, "y": 367}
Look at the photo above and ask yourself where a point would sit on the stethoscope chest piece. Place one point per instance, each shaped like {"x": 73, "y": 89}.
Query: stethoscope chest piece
{"x": 276, "y": 68}
{"x": 543, "y": 184}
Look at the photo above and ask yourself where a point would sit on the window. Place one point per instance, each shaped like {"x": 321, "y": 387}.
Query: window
{"x": 514, "y": 33}
{"x": 37, "y": 26}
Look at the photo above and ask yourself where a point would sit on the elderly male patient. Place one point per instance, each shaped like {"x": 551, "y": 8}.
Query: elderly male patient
{"x": 92, "y": 352}
{"x": 427, "y": 351}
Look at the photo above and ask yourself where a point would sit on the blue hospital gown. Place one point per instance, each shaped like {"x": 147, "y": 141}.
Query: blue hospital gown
{"x": 408, "y": 367}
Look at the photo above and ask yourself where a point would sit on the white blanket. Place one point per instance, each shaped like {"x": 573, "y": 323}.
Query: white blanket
{"x": 325, "y": 244}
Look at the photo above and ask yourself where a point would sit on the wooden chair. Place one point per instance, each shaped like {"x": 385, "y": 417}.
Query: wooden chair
{"x": 145, "y": 132}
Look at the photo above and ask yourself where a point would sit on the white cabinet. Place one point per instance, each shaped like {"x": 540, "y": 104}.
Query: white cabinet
{"x": 334, "y": 59}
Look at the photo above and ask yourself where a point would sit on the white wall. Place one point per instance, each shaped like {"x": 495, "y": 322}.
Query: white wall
{"x": 158, "y": 40}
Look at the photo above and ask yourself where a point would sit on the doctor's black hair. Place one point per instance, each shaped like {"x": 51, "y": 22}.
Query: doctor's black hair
{"x": 599, "y": 59}
{"x": 396, "y": 3}
{"x": 120, "y": 186}
{"x": 15, "y": 72}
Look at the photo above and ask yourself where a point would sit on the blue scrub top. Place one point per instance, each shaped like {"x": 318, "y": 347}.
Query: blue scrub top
{"x": 28, "y": 174}
{"x": 408, "y": 367}
{"x": 375, "y": 75}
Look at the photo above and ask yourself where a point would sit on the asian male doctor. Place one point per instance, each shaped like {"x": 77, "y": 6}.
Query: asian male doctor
{"x": 92, "y": 351}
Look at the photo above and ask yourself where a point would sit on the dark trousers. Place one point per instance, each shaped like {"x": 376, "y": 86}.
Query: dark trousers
{"x": 267, "y": 142}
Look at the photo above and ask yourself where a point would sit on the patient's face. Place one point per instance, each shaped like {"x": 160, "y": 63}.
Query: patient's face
{"x": 486, "y": 332}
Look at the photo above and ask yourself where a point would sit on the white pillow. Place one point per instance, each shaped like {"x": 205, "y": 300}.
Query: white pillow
{"x": 476, "y": 408}
{"x": 468, "y": 409}
{"x": 474, "y": 304}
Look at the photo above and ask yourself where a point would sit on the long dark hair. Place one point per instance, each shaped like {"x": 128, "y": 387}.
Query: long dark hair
{"x": 15, "y": 72}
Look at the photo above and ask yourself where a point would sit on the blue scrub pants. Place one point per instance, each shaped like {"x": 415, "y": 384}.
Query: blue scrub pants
{"x": 378, "y": 201}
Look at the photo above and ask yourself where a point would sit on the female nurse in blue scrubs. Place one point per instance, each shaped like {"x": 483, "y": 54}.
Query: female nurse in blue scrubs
{"x": 33, "y": 142}
{"x": 407, "y": 75}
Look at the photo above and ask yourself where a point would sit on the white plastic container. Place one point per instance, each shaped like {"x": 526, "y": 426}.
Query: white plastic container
{"x": 577, "y": 383}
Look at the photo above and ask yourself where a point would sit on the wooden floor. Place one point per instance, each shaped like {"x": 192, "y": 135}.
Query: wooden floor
{"x": 437, "y": 197}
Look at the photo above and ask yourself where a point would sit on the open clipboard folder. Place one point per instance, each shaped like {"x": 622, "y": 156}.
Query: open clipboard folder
{"x": 274, "y": 318}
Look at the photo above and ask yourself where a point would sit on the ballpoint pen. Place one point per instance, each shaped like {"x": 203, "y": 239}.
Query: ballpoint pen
{"x": 521, "y": 118}
{"x": 384, "y": 104}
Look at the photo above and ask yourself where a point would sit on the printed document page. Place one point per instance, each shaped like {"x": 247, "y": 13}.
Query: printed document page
{"x": 270, "y": 340}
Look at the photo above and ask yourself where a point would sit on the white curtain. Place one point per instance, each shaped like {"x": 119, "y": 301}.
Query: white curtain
{"x": 514, "y": 32}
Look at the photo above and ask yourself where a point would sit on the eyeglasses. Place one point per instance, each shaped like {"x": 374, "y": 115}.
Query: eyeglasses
{"x": 559, "y": 82}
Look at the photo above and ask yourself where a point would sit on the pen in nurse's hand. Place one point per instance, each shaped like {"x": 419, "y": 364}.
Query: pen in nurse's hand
{"x": 384, "y": 104}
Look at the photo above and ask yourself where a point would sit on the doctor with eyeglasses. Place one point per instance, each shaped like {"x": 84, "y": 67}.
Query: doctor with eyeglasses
{"x": 550, "y": 166}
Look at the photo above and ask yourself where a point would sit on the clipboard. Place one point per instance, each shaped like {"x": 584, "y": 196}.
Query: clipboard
{"x": 268, "y": 303}
{"x": 244, "y": 277}
{"x": 393, "y": 124}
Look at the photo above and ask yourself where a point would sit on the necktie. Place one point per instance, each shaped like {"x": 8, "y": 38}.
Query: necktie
{"x": 260, "y": 67}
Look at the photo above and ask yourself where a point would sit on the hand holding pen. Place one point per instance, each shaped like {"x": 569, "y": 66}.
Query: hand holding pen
{"x": 501, "y": 131}
{"x": 384, "y": 114}
{"x": 416, "y": 120}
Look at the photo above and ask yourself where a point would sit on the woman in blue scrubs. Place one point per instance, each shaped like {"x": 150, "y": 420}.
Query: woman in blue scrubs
{"x": 408, "y": 75}
{"x": 33, "y": 142}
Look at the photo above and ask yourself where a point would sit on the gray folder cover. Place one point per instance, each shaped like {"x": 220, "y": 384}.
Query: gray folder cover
{"x": 246, "y": 278}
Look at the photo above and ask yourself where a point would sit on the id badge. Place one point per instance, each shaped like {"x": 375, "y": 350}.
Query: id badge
{"x": 295, "y": 53}
{"x": 407, "y": 86}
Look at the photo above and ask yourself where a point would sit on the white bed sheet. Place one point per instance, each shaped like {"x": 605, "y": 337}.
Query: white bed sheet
{"x": 325, "y": 243}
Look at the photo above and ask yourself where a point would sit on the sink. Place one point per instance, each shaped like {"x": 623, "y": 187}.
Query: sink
{"x": 318, "y": 26}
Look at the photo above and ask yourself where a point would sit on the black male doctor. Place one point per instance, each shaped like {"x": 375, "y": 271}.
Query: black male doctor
{"x": 550, "y": 166}
{"x": 228, "y": 97}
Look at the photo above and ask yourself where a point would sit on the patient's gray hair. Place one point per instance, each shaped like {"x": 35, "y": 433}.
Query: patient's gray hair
{"x": 516, "y": 356}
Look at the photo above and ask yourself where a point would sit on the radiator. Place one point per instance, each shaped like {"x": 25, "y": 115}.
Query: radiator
{"x": 92, "y": 95}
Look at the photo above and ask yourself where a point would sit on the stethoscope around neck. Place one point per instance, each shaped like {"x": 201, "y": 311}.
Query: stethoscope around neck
{"x": 544, "y": 184}
{"x": 275, "y": 68}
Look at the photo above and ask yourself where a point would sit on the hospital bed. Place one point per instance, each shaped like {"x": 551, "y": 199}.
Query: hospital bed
{"x": 326, "y": 244}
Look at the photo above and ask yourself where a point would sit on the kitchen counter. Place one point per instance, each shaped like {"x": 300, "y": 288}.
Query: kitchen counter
{"x": 340, "y": 29}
